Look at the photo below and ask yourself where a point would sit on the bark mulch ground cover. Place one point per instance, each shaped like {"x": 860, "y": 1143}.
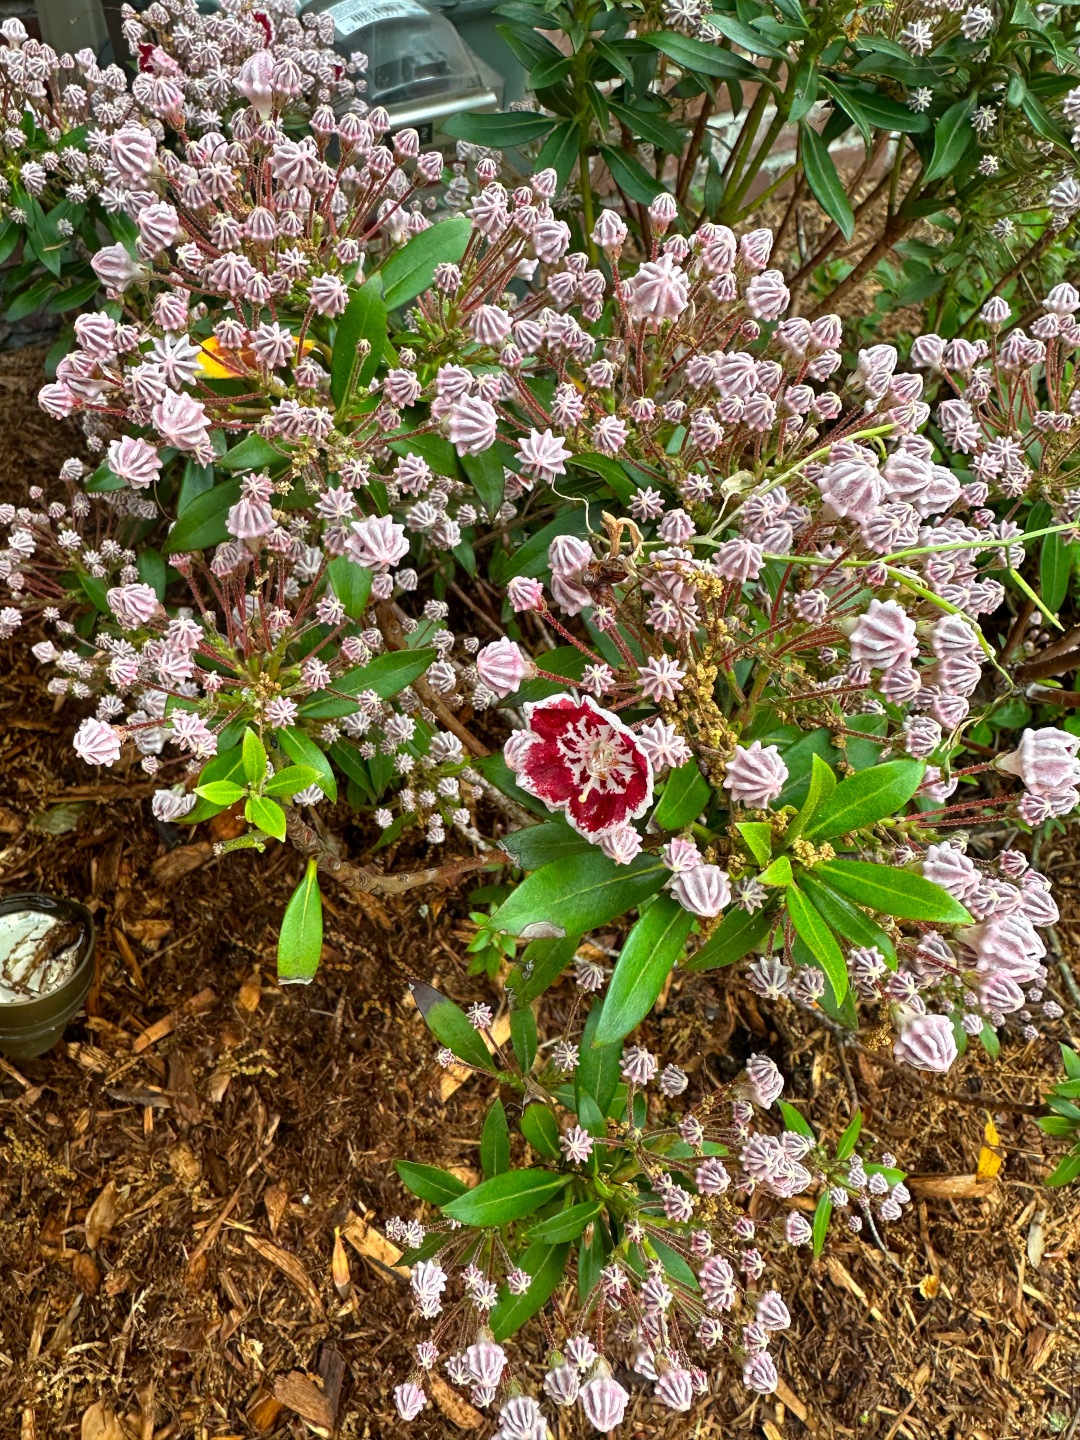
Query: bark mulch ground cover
{"x": 180, "y": 1174}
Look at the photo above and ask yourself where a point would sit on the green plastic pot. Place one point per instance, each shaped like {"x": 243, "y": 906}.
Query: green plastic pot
{"x": 30, "y": 1027}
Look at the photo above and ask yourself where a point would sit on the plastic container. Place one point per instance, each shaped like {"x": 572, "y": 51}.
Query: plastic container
{"x": 30, "y": 1027}
{"x": 419, "y": 68}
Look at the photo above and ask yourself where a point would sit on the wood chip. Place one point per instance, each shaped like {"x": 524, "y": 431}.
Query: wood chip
{"x": 99, "y": 1422}
{"x": 368, "y": 1242}
{"x": 950, "y": 1187}
{"x": 197, "y": 1005}
{"x": 102, "y": 1216}
{"x": 454, "y": 1076}
{"x": 840, "y": 1277}
{"x": 250, "y": 992}
{"x": 296, "y": 1392}
{"x": 275, "y": 1198}
{"x": 178, "y": 863}
{"x": 290, "y": 1266}
{"x": 87, "y": 1275}
{"x": 456, "y": 1409}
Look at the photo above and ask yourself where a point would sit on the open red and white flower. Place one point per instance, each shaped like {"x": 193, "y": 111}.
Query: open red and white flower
{"x": 581, "y": 759}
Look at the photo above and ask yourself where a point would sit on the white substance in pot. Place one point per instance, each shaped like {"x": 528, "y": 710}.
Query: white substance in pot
{"x": 35, "y": 961}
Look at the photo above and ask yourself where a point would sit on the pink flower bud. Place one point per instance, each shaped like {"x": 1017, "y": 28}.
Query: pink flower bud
{"x": 377, "y": 543}
{"x": 503, "y": 666}
{"x": 884, "y": 637}
{"x": 705, "y": 890}
{"x": 525, "y": 594}
{"x": 675, "y": 1389}
{"x": 926, "y": 1042}
{"x": 97, "y": 743}
{"x": 738, "y": 559}
{"x": 756, "y": 775}
{"x": 471, "y": 425}
{"x": 409, "y": 1400}
{"x": 767, "y": 296}
{"x": 133, "y": 605}
{"x": 1045, "y": 760}
{"x": 603, "y": 1399}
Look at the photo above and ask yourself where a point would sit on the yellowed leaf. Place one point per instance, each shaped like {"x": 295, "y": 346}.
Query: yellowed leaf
{"x": 990, "y": 1159}
{"x": 102, "y": 1216}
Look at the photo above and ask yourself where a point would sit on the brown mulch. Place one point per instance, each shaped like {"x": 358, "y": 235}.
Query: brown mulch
{"x": 173, "y": 1174}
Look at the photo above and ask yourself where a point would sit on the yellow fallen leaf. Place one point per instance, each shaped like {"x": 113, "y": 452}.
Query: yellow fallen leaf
{"x": 990, "y": 1159}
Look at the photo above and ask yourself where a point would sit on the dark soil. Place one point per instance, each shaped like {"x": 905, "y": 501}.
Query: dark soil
{"x": 173, "y": 1174}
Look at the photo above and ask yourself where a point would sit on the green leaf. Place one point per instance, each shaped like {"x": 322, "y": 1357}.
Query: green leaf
{"x": 630, "y": 175}
{"x": 822, "y": 1216}
{"x": 546, "y": 1263}
{"x": 598, "y": 1068}
{"x": 541, "y": 964}
{"x": 952, "y": 136}
{"x": 735, "y": 937}
{"x": 267, "y": 815}
{"x": 892, "y": 892}
{"x": 704, "y": 58}
{"x": 227, "y": 764}
{"x": 871, "y": 110}
{"x": 823, "y": 180}
{"x": 152, "y": 570}
{"x": 846, "y": 1144}
{"x": 411, "y": 270}
{"x": 1071, "y": 1061}
{"x": 1055, "y": 567}
{"x": 541, "y": 1130}
{"x": 758, "y": 837}
{"x": 364, "y": 318}
{"x": 867, "y": 797}
{"x": 302, "y": 750}
{"x": 674, "y": 1263}
{"x": 747, "y": 37}
{"x": 568, "y": 1224}
{"x": 506, "y": 1197}
{"x": 579, "y": 893}
{"x": 500, "y": 132}
{"x": 531, "y": 559}
{"x": 290, "y": 780}
{"x": 300, "y": 940}
{"x": 1066, "y": 1171}
{"x": 202, "y": 523}
{"x": 560, "y": 151}
{"x": 1041, "y": 122}
{"x": 822, "y": 785}
{"x": 439, "y": 453}
{"x": 659, "y": 133}
{"x": 351, "y": 583}
{"x": 437, "y": 1187}
{"x": 820, "y": 940}
{"x": 794, "y": 1120}
{"x": 651, "y": 949}
{"x": 221, "y": 792}
{"x": 450, "y": 1026}
{"x": 778, "y": 873}
{"x": 539, "y": 845}
{"x": 805, "y": 91}
{"x": 386, "y": 675}
{"x": 253, "y": 453}
{"x": 495, "y": 1141}
{"x": 486, "y": 474}
{"x": 685, "y": 796}
{"x": 523, "y": 1037}
{"x": 549, "y": 71}
{"x": 255, "y": 762}
{"x": 846, "y": 919}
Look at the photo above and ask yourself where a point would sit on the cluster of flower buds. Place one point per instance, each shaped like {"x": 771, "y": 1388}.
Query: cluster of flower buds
{"x": 679, "y": 1261}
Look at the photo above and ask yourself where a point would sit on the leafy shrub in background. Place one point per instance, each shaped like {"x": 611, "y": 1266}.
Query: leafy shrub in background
{"x": 766, "y": 617}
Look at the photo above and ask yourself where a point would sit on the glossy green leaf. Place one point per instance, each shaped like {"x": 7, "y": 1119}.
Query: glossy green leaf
{"x": 952, "y": 136}
{"x": 290, "y": 780}
{"x": 892, "y": 892}
{"x": 537, "y": 845}
{"x": 364, "y": 319}
{"x": 1055, "y": 566}
{"x": 255, "y": 760}
{"x": 487, "y": 477}
{"x": 824, "y": 182}
{"x": 302, "y": 750}
{"x": 351, "y": 583}
{"x": 598, "y": 1068}
{"x": 778, "y": 873}
{"x": 846, "y": 1144}
{"x": 873, "y": 110}
{"x": 221, "y": 792}
{"x": 506, "y": 1197}
{"x": 568, "y": 1224}
{"x": 450, "y": 1026}
{"x": 549, "y": 71}
{"x": 747, "y": 37}
{"x": 813, "y": 930}
{"x": 822, "y": 1216}
{"x": 523, "y": 1037}
{"x": 1071, "y": 1061}
{"x": 659, "y": 133}
{"x": 822, "y": 785}
{"x": 386, "y": 675}
{"x": 758, "y": 837}
{"x": 865, "y": 798}
{"x": 227, "y": 764}
{"x": 546, "y": 1263}
{"x": 437, "y": 1187}
{"x": 540, "y": 965}
{"x": 703, "y": 57}
{"x": 267, "y": 815}
{"x": 630, "y": 175}
{"x": 736, "y": 936}
{"x": 500, "y": 132}
{"x": 254, "y": 452}
{"x": 795, "y": 1120}
{"x": 495, "y": 1141}
{"x": 202, "y": 524}
{"x": 650, "y": 951}
{"x": 411, "y": 270}
{"x": 846, "y": 919}
{"x": 541, "y": 1130}
{"x": 686, "y": 794}
{"x": 1065, "y": 1171}
{"x": 579, "y": 893}
{"x": 301, "y": 937}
